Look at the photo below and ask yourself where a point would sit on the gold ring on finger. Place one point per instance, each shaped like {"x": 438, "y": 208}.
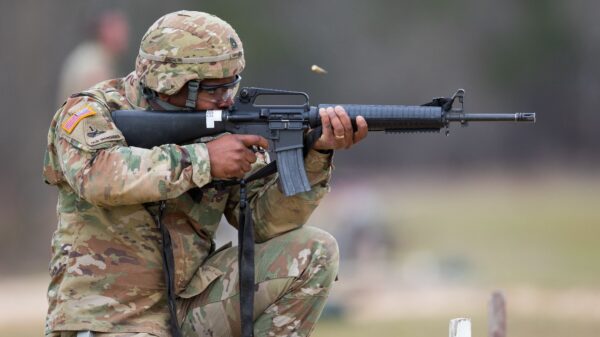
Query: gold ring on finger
{"x": 340, "y": 137}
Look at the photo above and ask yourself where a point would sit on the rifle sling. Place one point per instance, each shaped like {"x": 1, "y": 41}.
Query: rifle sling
{"x": 246, "y": 263}
{"x": 168, "y": 266}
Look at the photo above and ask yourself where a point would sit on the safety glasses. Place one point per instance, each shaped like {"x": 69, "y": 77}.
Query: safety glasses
{"x": 219, "y": 92}
{"x": 212, "y": 89}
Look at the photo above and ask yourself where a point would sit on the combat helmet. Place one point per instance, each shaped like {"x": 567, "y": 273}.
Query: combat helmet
{"x": 187, "y": 47}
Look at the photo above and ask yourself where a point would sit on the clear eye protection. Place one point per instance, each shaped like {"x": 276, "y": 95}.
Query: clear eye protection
{"x": 220, "y": 92}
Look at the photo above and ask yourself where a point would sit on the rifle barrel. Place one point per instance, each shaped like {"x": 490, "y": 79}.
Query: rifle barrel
{"x": 480, "y": 117}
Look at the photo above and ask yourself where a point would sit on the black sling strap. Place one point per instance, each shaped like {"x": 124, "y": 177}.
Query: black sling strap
{"x": 168, "y": 266}
{"x": 246, "y": 263}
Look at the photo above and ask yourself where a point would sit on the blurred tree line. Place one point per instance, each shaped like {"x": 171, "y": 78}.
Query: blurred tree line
{"x": 514, "y": 55}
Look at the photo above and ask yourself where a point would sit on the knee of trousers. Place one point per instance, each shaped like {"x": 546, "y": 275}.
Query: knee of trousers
{"x": 321, "y": 250}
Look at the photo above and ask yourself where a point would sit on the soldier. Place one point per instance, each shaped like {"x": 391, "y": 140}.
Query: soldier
{"x": 107, "y": 275}
{"x": 95, "y": 59}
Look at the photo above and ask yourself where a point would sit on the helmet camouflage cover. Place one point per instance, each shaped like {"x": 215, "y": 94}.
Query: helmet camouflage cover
{"x": 184, "y": 46}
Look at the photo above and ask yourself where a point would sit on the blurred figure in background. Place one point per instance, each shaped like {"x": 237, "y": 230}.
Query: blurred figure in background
{"x": 94, "y": 59}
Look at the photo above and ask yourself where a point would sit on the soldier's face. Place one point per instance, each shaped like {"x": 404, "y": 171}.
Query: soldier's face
{"x": 213, "y": 94}
{"x": 217, "y": 92}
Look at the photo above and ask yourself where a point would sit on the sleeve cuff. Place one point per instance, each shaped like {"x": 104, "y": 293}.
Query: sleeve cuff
{"x": 317, "y": 160}
{"x": 198, "y": 153}
{"x": 318, "y": 166}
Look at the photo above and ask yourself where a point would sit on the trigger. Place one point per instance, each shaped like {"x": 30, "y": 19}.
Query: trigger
{"x": 258, "y": 149}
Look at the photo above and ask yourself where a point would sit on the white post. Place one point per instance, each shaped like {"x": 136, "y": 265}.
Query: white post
{"x": 460, "y": 327}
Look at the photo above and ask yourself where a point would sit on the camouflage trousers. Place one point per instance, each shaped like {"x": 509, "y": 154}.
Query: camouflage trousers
{"x": 294, "y": 273}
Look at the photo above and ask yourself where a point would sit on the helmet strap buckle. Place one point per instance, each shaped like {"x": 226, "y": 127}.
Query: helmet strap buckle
{"x": 148, "y": 93}
{"x": 193, "y": 87}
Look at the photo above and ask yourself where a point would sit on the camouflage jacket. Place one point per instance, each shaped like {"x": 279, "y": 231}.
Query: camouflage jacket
{"x": 106, "y": 267}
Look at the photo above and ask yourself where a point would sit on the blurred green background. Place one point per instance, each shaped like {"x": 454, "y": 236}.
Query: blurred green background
{"x": 428, "y": 225}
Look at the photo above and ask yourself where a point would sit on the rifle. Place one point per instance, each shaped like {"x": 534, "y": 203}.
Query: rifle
{"x": 285, "y": 126}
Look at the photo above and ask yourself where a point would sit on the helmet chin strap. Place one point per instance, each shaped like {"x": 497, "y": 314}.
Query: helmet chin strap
{"x": 158, "y": 104}
{"x": 193, "y": 87}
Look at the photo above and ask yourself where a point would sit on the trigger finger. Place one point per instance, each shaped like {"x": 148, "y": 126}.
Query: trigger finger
{"x": 246, "y": 167}
{"x": 250, "y": 157}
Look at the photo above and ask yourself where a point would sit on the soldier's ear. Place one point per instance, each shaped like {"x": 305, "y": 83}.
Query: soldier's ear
{"x": 168, "y": 98}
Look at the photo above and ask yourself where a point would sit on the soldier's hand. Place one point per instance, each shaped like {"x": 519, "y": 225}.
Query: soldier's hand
{"x": 231, "y": 156}
{"x": 337, "y": 129}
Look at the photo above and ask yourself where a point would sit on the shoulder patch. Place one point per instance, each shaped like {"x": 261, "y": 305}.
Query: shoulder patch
{"x": 98, "y": 133}
{"x": 87, "y": 125}
{"x": 77, "y": 117}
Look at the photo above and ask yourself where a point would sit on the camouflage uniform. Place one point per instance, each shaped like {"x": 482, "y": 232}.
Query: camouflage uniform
{"x": 106, "y": 267}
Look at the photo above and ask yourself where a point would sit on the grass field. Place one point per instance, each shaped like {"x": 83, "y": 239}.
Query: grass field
{"x": 541, "y": 230}
{"x": 536, "y": 237}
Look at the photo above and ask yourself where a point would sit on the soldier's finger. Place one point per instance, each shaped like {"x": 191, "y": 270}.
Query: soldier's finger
{"x": 250, "y": 156}
{"x": 363, "y": 130}
{"x": 236, "y": 173}
{"x": 249, "y": 140}
{"x": 325, "y": 124}
{"x": 336, "y": 124}
{"x": 344, "y": 118}
{"x": 246, "y": 167}
{"x": 347, "y": 124}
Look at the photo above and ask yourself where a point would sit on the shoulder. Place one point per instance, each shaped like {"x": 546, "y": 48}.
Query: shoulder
{"x": 86, "y": 123}
{"x": 112, "y": 92}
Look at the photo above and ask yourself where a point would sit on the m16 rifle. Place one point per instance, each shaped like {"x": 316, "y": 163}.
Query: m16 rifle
{"x": 286, "y": 126}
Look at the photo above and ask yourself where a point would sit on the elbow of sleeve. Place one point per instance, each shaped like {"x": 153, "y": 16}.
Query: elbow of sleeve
{"x": 96, "y": 189}
{"x": 100, "y": 190}
{"x": 92, "y": 194}
{"x": 99, "y": 193}
{"x": 133, "y": 192}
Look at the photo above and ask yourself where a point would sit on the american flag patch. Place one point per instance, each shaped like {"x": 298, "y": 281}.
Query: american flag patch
{"x": 72, "y": 122}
